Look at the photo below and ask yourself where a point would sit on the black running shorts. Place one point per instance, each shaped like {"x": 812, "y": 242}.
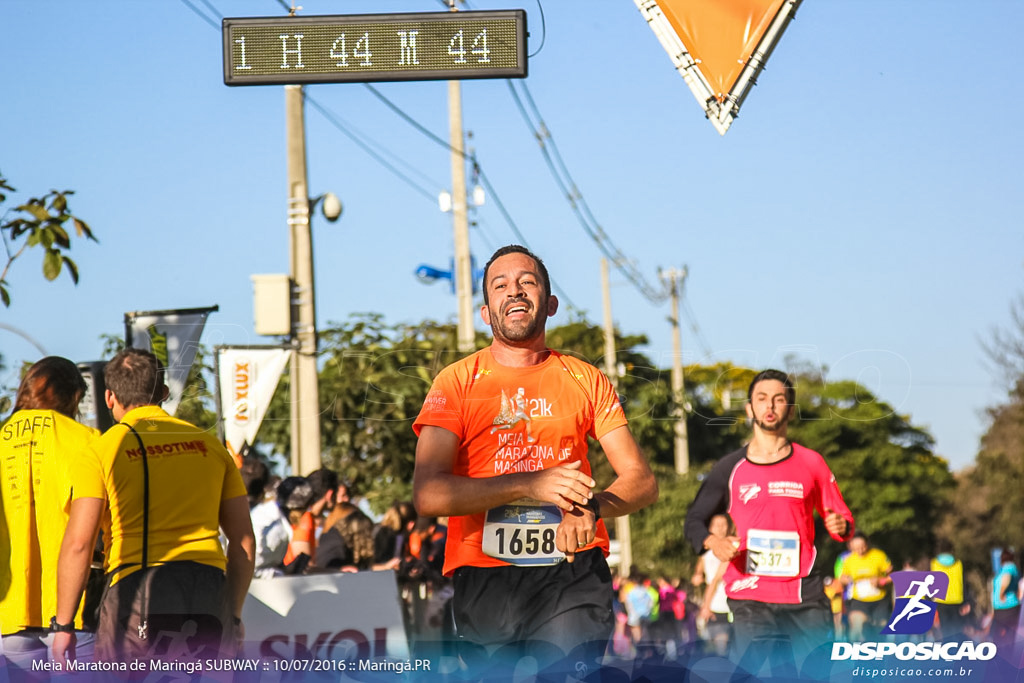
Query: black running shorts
{"x": 550, "y": 613}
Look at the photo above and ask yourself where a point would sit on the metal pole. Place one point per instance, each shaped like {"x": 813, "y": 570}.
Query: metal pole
{"x": 675, "y": 278}
{"x": 463, "y": 270}
{"x": 463, "y": 266}
{"x": 305, "y": 409}
{"x": 610, "y": 368}
{"x": 622, "y": 529}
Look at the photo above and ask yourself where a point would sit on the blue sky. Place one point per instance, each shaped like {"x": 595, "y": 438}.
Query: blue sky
{"x": 862, "y": 213}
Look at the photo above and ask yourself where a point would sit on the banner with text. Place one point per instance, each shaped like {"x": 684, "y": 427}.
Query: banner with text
{"x": 247, "y": 377}
{"x": 327, "y": 617}
{"x": 173, "y": 337}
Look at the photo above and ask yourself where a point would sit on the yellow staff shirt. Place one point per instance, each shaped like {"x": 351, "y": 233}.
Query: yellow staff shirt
{"x": 37, "y": 448}
{"x": 190, "y": 475}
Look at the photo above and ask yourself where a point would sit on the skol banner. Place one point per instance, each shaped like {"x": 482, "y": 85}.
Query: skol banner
{"x": 352, "y": 618}
{"x": 247, "y": 377}
{"x": 173, "y": 337}
{"x": 718, "y": 47}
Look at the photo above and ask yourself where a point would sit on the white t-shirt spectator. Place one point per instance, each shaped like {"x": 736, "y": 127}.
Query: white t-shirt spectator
{"x": 273, "y": 534}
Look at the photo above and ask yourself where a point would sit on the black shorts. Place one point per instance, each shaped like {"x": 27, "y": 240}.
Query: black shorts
{"x": 186, "y": 609}
{"x": 781, "y": 636}
{"x": 877, "y": 611}
{"x": 550, "y": 613}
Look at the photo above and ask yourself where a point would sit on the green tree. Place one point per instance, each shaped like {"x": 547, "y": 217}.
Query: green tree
{"x": 894, "y": 484}
{"x": 990, "y": 494}
{"x": 375, "y": 376}
{"x": 658, "y": 544}
{"x": 716, "y": 422}
{"x": 40, "y": 222}
{"x": 373, "y": 380}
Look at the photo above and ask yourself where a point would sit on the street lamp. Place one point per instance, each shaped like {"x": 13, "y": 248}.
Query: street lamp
{"x": 330, "y": 206}
{"x": 428, "y": 274}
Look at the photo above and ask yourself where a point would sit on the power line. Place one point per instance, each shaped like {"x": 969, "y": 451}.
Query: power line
{"x": 411, "y": 121}
{"x": 364, "y": 139}
{"x": 335, "y": 121}
{"x": 485, "y": 181}
{"x": 560, "y": 172}
{"x": 210, "y": 6}
{"x": 515, "y": 229}
{"x": 555, "y": 163}
{"x": 365, "y": 143}
{"x": 695, "y": 328}
{"x": 199, "y": 13}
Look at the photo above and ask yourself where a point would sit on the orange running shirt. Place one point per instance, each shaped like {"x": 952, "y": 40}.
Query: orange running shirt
{"x": 305, "y": 530}
{"x": 516, "y": 420}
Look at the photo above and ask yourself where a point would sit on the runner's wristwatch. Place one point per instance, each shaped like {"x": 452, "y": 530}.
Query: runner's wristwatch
{"x": 60, "y": 628}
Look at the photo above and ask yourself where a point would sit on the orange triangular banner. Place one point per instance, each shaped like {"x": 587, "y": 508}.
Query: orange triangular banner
{"x": 719, "y": 46}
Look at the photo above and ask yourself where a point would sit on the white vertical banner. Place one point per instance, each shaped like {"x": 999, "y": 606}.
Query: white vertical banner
{"x": 173, "y": 337}
{"x": 247, "y": 377}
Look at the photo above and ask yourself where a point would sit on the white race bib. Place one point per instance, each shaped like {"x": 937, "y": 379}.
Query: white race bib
{"x": 865, "y": 589}
{"x": 523, "y": 533}
{"x": 773, "y": 553}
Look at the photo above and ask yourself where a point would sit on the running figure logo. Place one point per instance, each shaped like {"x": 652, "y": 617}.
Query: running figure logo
{"x": 915, "y": 593}
{"x": 513, "y": 411}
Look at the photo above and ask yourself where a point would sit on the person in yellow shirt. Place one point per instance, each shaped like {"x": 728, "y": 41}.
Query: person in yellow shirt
{"x": 37, "y": 444}
{"x": 162, "y": 487}
{"x": 953, "y": 610}
{"x": 866, "y": 570}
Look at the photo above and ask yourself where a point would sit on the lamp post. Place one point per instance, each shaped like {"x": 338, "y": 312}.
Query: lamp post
{"x": 622, "y": 528}
{"x": 305, "y": 401}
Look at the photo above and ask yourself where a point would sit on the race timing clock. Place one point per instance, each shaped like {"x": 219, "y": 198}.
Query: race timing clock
{"x": 362, "y": 48}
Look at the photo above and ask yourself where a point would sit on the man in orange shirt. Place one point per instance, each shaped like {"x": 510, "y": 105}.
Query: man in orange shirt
{"x": 503, "y": 453}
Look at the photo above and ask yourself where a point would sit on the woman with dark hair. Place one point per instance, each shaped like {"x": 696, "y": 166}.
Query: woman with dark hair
{"x": 294, "y": 496}
{"x": 347, "y": 541}
{"x": 37, "y": 444}
{"x": 391, "y": 535}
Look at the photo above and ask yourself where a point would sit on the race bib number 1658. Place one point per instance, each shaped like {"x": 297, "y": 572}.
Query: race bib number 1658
{"x": 523, "y": 534}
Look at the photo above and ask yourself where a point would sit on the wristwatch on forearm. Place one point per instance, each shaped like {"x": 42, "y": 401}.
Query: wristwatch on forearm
{"x": 56, "y": 627}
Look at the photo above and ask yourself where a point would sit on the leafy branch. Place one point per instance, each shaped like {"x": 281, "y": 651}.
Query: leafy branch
{"x": 41, "y": 222}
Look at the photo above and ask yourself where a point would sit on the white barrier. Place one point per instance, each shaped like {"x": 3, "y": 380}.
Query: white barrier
{"x": 330, "y": 617}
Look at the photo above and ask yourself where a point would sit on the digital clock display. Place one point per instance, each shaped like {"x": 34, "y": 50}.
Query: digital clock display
{"x": 361, "y": 48}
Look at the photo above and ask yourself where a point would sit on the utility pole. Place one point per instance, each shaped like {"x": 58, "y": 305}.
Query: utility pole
{"x": 622, "y": 531}
{"x": 463, "y": 274}
{"x": 305, "y": 402}
{"x": 674, "y": 279}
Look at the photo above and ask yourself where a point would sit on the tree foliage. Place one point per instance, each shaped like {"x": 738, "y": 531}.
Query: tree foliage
{"x": 41, "y": 222}
{"x": 990, "y": 494}
{"x": 894, "y": 484}
{"x": 373, "y": 380}
{"x": 375, "y": 376}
